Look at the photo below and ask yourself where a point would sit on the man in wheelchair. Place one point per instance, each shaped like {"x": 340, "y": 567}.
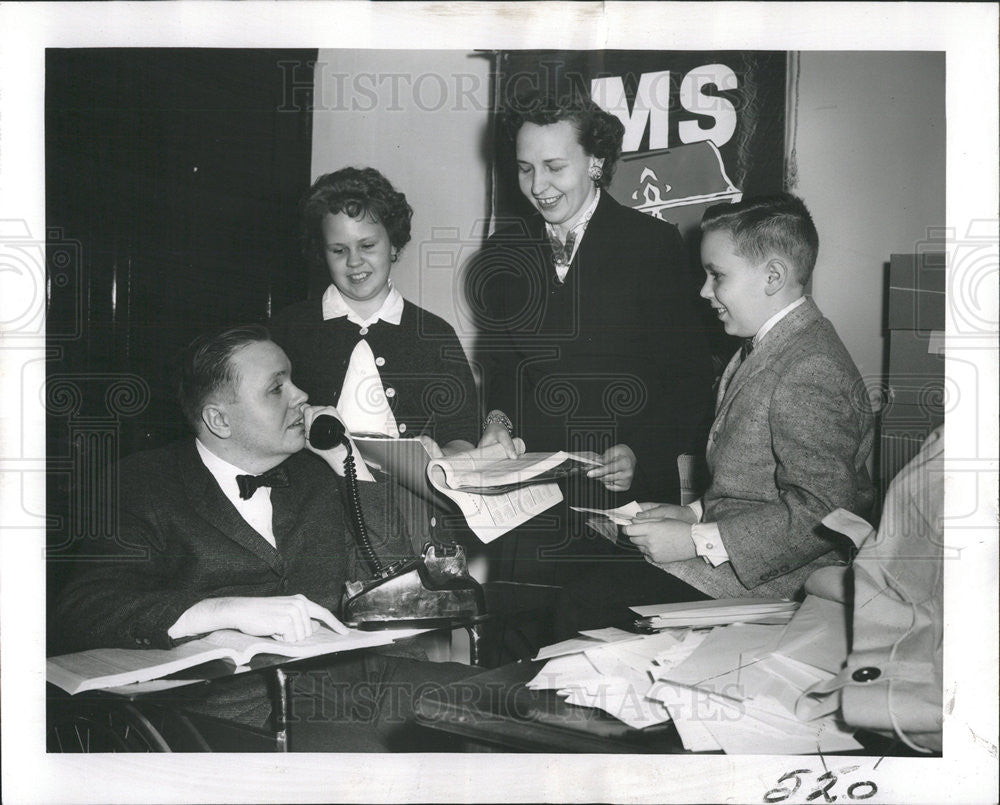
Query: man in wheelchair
{"x": 242, "y": 528}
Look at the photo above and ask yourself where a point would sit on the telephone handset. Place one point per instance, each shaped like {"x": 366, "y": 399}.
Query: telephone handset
{"x": 429, "y": 590}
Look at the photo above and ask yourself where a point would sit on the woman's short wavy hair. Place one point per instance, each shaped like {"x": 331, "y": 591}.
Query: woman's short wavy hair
{"x": 599, "y": 132}
{"x": 358, "y": 193}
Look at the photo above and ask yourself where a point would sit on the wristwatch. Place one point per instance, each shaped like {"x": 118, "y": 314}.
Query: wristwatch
{"x": 498, "y": 417}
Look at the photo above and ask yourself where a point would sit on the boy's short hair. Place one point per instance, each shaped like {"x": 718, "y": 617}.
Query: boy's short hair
{"x": 205, "y": 368}
{"x": 763, "y": 225}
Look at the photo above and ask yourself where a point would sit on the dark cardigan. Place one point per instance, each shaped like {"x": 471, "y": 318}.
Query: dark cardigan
{"x": 425, "y": 374}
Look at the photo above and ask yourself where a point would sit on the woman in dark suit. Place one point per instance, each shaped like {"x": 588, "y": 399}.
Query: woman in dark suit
{"x": 589, "y": 337}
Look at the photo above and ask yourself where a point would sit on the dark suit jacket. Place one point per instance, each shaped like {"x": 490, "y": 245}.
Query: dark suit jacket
{"x": 614, "y": 355}
{"x": 791, "y": 436}
{"x": 179, "y": 540}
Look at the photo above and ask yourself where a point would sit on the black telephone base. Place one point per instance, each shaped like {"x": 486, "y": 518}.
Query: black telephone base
{"x": 430, "y": 591}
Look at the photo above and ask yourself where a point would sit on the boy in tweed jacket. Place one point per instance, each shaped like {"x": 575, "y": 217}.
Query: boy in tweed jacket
{"x": 793, "y": 426}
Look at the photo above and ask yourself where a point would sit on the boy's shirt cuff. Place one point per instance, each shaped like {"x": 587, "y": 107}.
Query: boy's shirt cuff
{"x": 708, "y": 543}
{"x": 698, "y": 509}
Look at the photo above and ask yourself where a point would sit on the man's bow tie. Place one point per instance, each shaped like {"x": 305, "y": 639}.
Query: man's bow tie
{"x": 746, "y": 348}
{"x": 251, "y": 483}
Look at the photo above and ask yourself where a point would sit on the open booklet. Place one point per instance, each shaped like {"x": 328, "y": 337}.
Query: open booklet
{"x": 494, "y": 493}
{"x": 112, "y": 667}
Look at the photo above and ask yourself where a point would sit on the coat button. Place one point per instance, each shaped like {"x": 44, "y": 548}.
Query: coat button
{"x": 866, "y": 674}
{"x": 390, "y": 392}
{"x": 402, "y": 427}
{"x": 364, "y": 331}
{"x": 380, "y": 361}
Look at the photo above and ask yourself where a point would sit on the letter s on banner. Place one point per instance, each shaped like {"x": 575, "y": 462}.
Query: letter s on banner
{"x": 694, "y": 99}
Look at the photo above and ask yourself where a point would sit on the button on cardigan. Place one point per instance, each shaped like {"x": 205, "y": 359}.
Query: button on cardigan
{"x": 424, "y": 370}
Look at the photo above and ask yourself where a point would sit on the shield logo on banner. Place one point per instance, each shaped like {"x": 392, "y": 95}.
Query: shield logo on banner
{"x": 675, "y": 184}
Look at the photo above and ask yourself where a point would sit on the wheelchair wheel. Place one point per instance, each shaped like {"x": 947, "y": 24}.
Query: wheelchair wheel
{"x": 86, "y": 727}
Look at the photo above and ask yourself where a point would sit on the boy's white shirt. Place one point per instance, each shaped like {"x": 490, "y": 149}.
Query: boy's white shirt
{"x": 706, "y": 537}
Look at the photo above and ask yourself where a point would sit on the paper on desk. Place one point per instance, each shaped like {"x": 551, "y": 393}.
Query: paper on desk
{"x": 784, "y": 732}
{"x": 603, "y": 649}
{"x": 617, "y": 688}
{"x": 588, "y": 640}
{"x": 608, "y": 677}
{"x": 682, "y": 704}
{"x": 627, "y": 705}
{"x": 641, "y": 654}
{"x": 774, "y": 684}
{"x": 706, "y": 621}
{"x": 621, "y": 516}
{"x": 727, "y": 606}
{"x": 674, "y": 655}
{"x": 562, "y": 672}
{"x": 709, "y": 722}
{"x": 748, "y": 735}
{"x": 610, "y": 666}
{"x": 718, "y": 664}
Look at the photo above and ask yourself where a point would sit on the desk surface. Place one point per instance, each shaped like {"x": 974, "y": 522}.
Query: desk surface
{"x": 496, "y": 707}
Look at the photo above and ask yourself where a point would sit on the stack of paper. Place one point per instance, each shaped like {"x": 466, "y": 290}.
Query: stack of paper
{"x": 735, "y": 692}
{"x": 717, "y": 612}
{"x": 739, "y": 688}
{"x": 609, "y": 669}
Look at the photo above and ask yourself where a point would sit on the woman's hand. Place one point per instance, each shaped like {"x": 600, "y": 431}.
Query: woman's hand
{"x": 666, "y": 511}
{"x": 496, "y": 433}
{"x": 617, "y": 468}
{"x": 661, "y": 541}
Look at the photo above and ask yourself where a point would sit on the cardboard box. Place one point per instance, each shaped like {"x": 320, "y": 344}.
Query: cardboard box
{"x": 916, "y": 368}
{"x": 917, "y": 291}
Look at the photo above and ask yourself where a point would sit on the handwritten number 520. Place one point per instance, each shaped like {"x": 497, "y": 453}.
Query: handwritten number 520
{"x": 826, "y": 781}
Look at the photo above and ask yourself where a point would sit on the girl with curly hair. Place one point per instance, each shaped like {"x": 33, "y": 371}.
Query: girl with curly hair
{"x": 389, "y": 366}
